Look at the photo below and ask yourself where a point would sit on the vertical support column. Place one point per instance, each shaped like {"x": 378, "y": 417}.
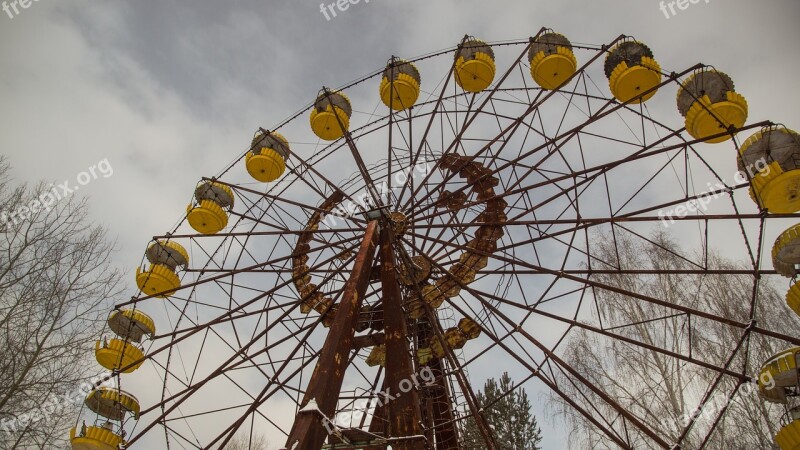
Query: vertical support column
{"x": 443, "y": 418}
{"x": 378, "y": 424}
{"x": 440, "y": 416}
{"x": 403, "y": 411}
{"x": 309, "y": 431}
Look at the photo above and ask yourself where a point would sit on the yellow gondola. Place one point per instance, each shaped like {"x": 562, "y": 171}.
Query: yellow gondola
{"x": 124, "y": 353}
{"x": 330, "y": 116}
{"x": 781, "y": 369}
{"x": 788, "y": 437}
{"x": 474, "y": 68}
{"x": 94, "y": 438}
{"x": 632, "y": 71}
{"x": 209, "y": 213}
{"x": 400, "y": 85}
{"x": 160, "y": 278}
{"x": 786, "y": 252}
{"x": 117, "y": 354}
{"x": 113, "y": 403}
{"x": 793, "y": 298}
{"x": 771, "y": 157}
{"x": 131, "y": 324}
{"x": 552, "y": 60}
{"x": 266, "y": 160}
{"x": 710, "y": 105}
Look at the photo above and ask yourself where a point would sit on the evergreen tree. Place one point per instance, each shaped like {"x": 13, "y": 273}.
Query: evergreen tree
{"x": 509, "y": 415}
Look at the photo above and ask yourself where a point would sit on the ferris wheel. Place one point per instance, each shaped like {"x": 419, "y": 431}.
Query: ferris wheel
{"x": 339, "y": 283}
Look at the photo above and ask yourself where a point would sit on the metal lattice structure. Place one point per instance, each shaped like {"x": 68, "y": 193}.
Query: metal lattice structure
{"x": 463, "y": 240}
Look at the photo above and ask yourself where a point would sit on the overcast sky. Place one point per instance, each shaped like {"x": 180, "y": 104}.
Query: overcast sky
{"x": 170, "y": 91}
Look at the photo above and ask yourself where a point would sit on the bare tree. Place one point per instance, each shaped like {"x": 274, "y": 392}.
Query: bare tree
{"x": 56, "y": 285}
{"x": 244, "y": 441}
{"x": 661, "y": 391}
